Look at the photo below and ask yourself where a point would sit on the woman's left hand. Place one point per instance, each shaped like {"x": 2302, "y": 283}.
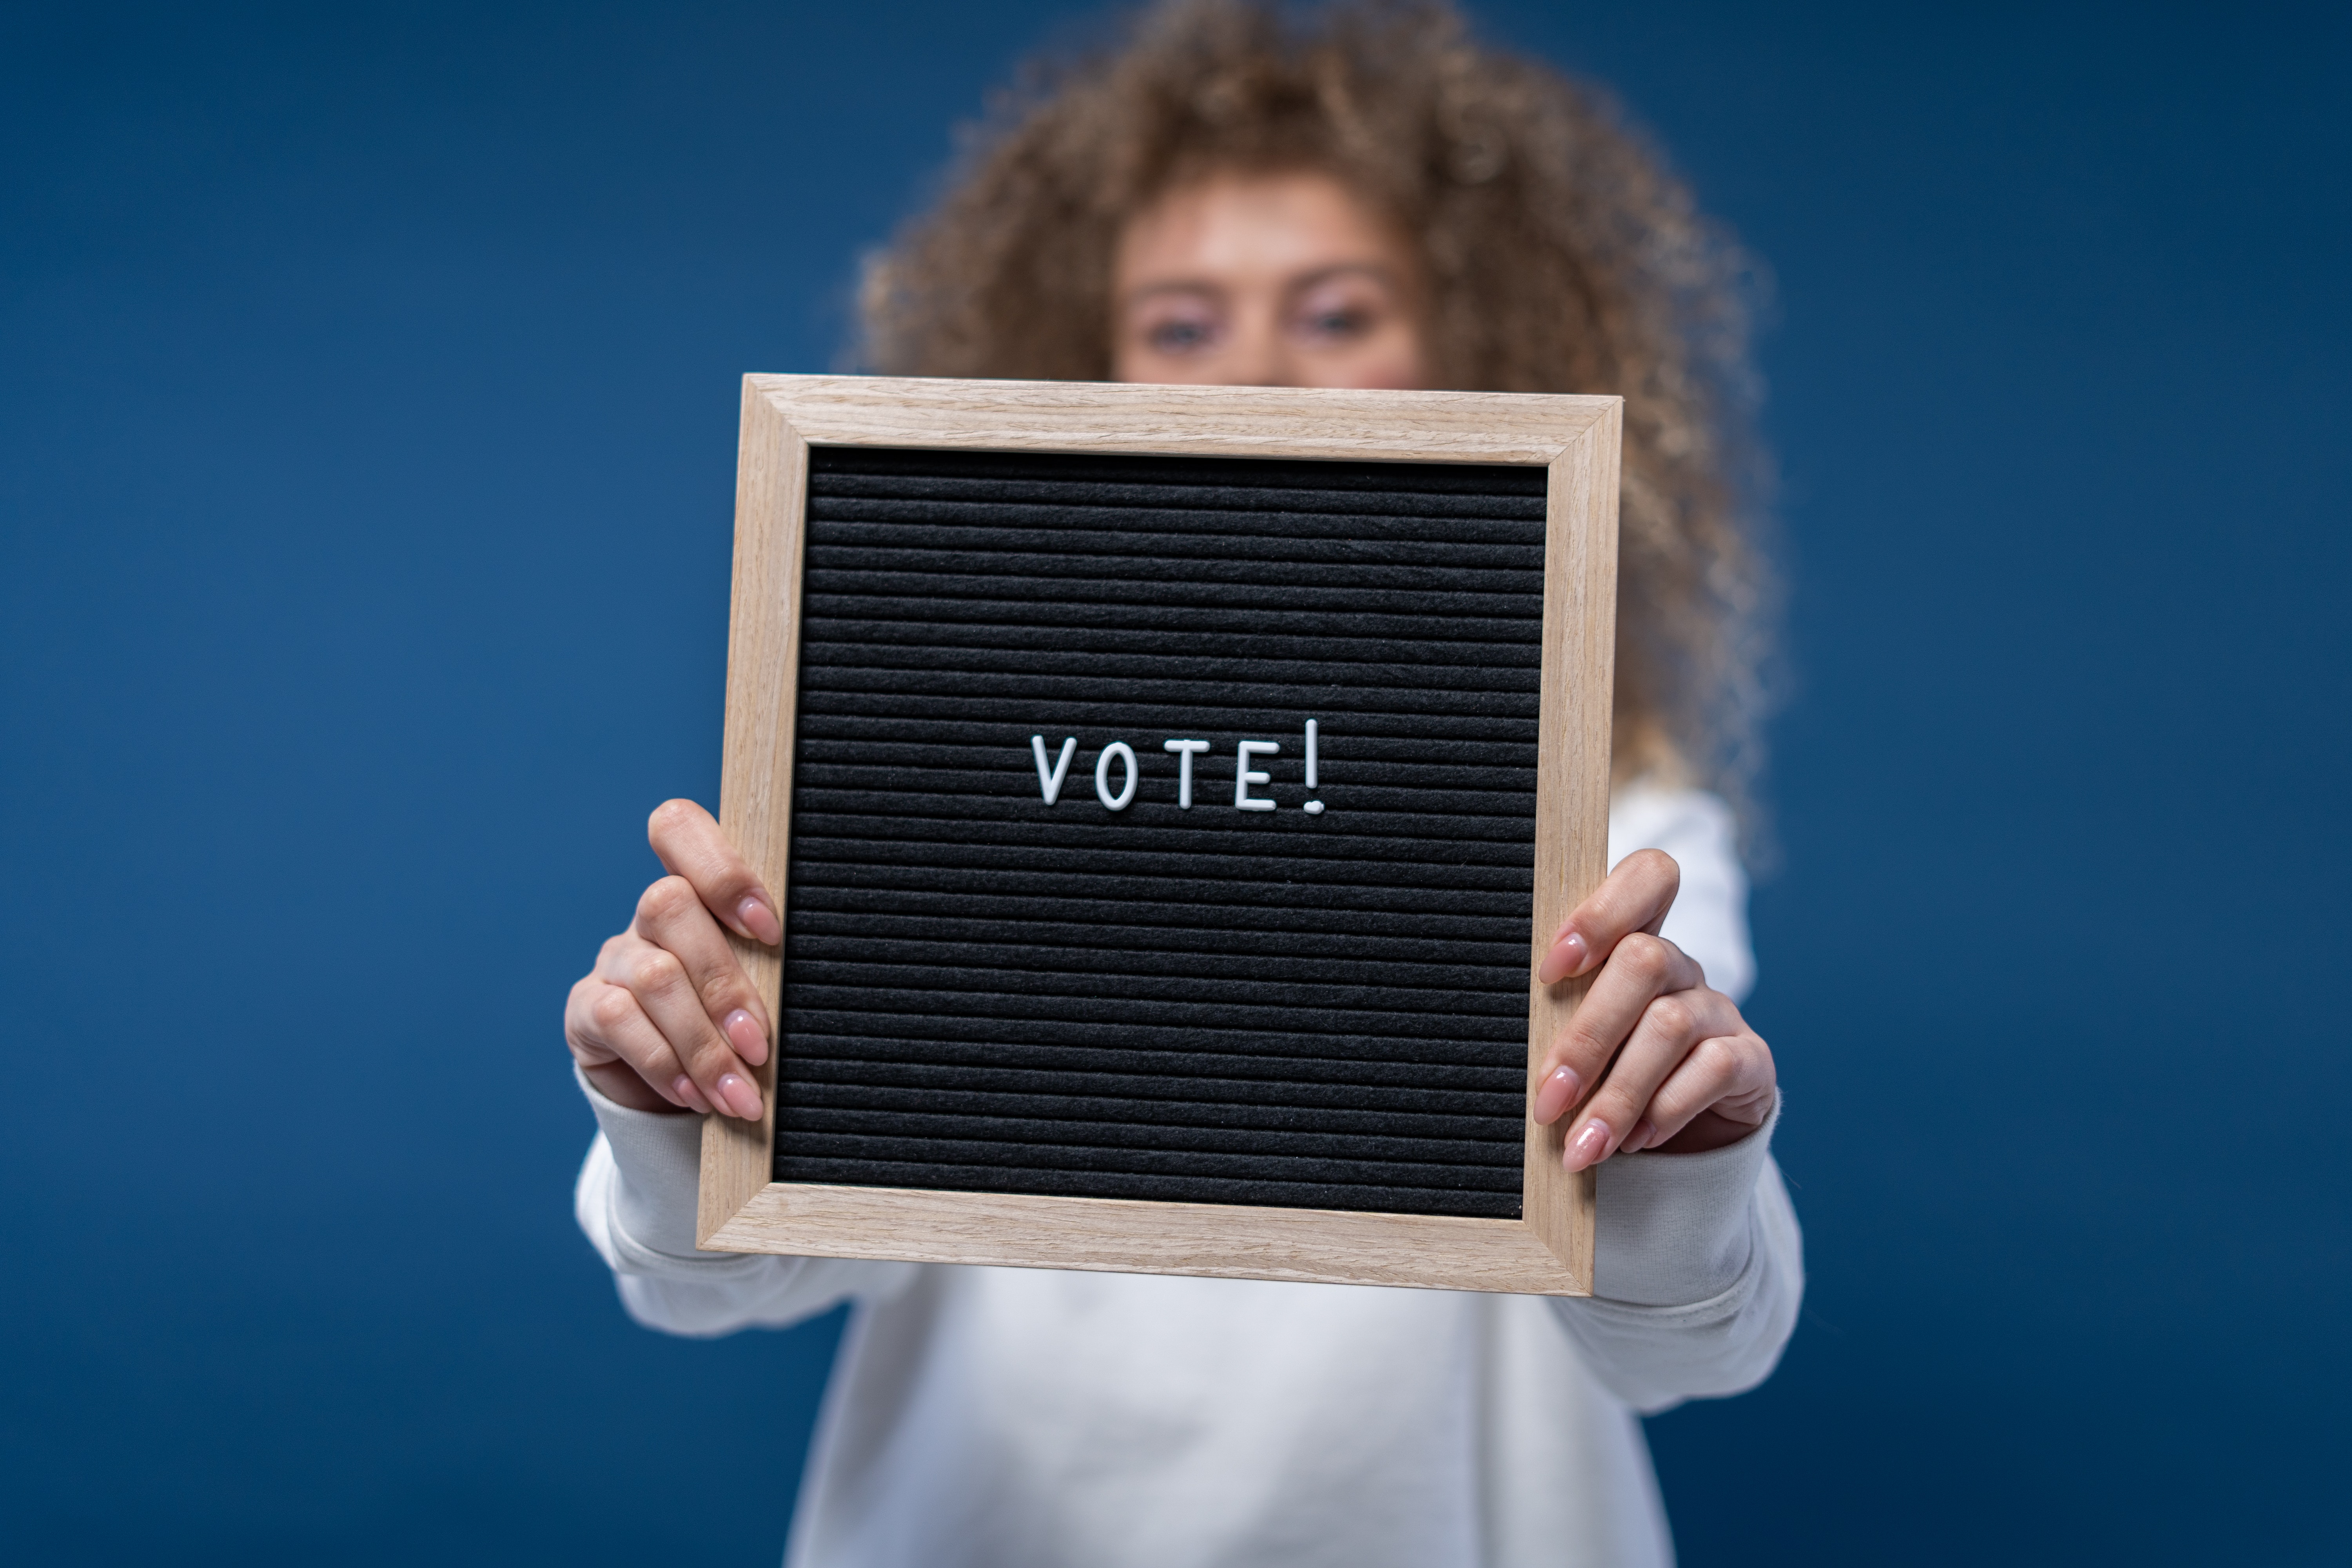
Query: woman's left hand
{"x": 1688, "y": 1074}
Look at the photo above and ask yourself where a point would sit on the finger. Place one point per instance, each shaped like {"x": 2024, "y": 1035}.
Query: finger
{"x": 1670, "y": 1027}
{"x": 655, "y": 976}
{"x": 689, "y": 844}
{"x": 672, "y": 917}
{"x": 603, "y": 1024}
{"x": 1635, "y": 897}
{"x": 1729, "y": 1073}
{"x": 1640, "y": 969}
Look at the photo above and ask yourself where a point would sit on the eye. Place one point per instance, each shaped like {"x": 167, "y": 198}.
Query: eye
{"x": 1341, "y": 311}
{"x": 1179, "y": 336}
{"x": 1337, "y": 323}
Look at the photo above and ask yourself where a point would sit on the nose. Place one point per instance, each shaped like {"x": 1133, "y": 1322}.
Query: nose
{"x": 1257, "y": 356}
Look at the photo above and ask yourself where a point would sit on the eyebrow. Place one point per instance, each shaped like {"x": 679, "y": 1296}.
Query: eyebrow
{"x": 1371, "y": 269}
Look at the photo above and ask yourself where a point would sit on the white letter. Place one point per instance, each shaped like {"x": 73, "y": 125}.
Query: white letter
{"x": 1049, "y": 784}
{"x": 1244, "y": 778}
{"x": 1311, "y": 753}
{"x": 1120, "y": 750}
{"x": 1185, "y": 750}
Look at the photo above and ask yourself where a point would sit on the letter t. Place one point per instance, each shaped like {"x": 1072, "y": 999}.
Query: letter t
{"x": 1186, "y": 750}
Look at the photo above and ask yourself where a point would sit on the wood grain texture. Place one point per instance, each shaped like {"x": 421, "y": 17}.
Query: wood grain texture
{"x": 755, "y": 781}
{"x": 1548, "y": 1252}
{"x": 1122, "y": 1236}
{"x": 1212, "y": 421}
{"x": 1580, "y": 643}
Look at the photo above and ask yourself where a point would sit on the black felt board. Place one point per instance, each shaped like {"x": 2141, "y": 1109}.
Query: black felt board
{"x": 986, "y": 993}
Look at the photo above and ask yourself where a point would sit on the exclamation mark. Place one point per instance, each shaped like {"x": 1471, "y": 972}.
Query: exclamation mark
{"x": 1314, "y": 808}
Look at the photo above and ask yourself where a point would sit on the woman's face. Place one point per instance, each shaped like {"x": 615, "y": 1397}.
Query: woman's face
{"x": 1266, "y": 280}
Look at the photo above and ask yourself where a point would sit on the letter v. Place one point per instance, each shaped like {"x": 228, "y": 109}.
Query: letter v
{"x": 1049, "y": 784}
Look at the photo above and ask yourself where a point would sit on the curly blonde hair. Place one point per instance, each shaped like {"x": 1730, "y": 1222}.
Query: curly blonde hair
{"x": 1561, "y": 256}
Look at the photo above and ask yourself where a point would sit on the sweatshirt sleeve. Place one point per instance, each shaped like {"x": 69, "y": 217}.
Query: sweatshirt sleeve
{"x": 1709, "y": 920}
{"x": 1698, "y": 1269}
{"x": 1698, "y": 1264}
{"x": 636, "y": 1200}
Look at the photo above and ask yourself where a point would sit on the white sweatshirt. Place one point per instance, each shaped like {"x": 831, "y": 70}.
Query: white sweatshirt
{"x": 1020, "y": 1418}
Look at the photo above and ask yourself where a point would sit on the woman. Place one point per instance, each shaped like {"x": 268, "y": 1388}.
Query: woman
{"x": 1370, "y": 203}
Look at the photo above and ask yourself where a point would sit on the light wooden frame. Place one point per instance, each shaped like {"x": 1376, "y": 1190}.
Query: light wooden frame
{"x": 1548, "y": 1251}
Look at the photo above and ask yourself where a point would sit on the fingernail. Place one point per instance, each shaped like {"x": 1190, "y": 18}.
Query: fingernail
{"x": 741, "y": 1096}
{"x": 759, "y": 921}
{"x": 1565, "y": 960}
{"x": 743, "y": 1032}
{"x": 1591, "y": 1141}
{"x": 1643, "y": 1131}
{"x": 686, "y": 1089}
{"x": 1556, "y": 1094}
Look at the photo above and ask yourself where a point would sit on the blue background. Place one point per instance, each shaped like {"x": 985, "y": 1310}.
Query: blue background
{"x": 367, "y": 409}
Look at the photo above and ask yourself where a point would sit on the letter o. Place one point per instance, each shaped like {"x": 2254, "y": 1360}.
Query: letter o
{"x": 1125, "y": 753}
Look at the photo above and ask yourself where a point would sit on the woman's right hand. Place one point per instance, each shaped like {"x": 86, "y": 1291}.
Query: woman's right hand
{"x": 667, "y": 1019}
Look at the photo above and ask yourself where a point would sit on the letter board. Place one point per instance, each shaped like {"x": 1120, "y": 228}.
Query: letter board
{"x": 1169, "y": 791}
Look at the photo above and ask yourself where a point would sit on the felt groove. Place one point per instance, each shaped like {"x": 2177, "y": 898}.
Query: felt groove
{"x": 1159, "y": 833}
{"x": 1339, "y": 901}
{"x": 981, "y": 496}
{"x": 913, "y": 915}
{"x": 916, "y": 694}
{"x": 1177, "y": 536}
{"x": 896, "y": 793}
{"x": 947, "y": 941}
{"x": 1048, "y": 647}
{"x": 898, "y": 1062}
{"x": 966, "y": 960}
{"x": 986, "y": 495}
{"x": 1213, "y": 1126}
{"x": 1150, "y": 507}
{"x": 1148, "y": 665}
{"x": 1185, "y": 1080}
{"x": 1076, "y": 985}
{"x": 1264, "y": 981}
{"x": 1107, "y": 516}
{"x": 1386, "y": 695}
{"x": 1493, "y": 740}
{"x": 1347, "y": 1054}
{"x": 880, "y": 615}
{"x": 930, "y": 937}
{"x": 985, "y": 992}
{"x": 846, "y": 587}
{"x": 1481, "y": 718}
{"x": 1429, "y": 1027}
{"x": 901, "y": 904}
{"x": 1445, "y": 822}
{"x": 1108, "y": 513}
{"x": 1215, "y": 683}
{"x": 1056, "y": 1047}
{"x": 1390, "y": 872}
{"x": 1034, "y": 1152}
{"x": 1158, "y": 1186}
{"x": 978, "y": 555}
{"x": 1341, "y": 642}
{"x": 1321, "y": 849}
{"x": 950, "y": 814}
{"x": 1343, "y": 1155}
